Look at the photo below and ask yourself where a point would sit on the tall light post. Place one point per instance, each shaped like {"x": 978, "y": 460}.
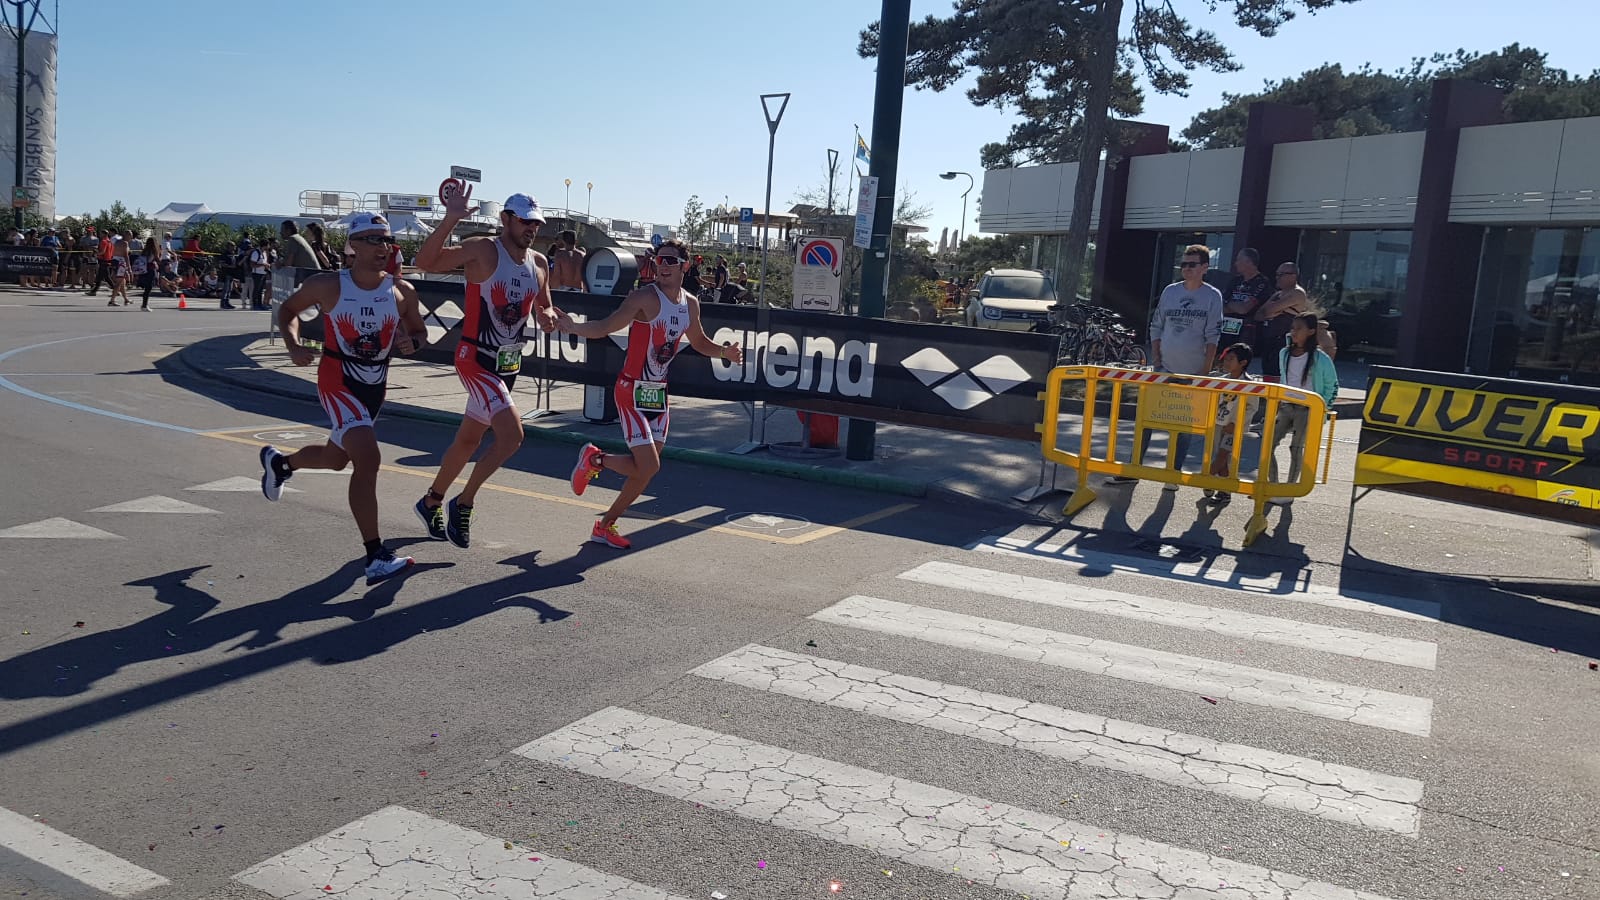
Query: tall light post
{"x": 568, "y": 207}
{"x": 962, "y": 231}
{"x": 758, "y": 419}
{"x": 590, "y": 205}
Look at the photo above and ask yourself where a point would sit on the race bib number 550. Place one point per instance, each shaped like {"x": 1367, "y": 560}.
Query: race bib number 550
{"x": 650, "y": 396}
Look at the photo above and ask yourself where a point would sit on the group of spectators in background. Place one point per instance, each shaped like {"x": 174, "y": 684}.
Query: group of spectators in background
{"x": 171, "y": 267}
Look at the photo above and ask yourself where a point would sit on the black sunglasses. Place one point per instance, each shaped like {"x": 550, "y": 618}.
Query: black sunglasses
{"x": 1192, "y": 265}
{"x": 375, "y": 240}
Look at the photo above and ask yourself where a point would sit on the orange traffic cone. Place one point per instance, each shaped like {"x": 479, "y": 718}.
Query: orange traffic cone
{"x": 182, "y": 304}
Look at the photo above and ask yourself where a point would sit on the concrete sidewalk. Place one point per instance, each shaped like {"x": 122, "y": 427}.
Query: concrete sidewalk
{"x": 1400, "y": 535}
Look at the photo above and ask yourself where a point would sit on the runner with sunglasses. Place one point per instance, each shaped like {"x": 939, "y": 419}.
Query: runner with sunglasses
{"x": 367, "y": 315}
{"x": 658, "y": 316}
{"x": 506, "y": 281}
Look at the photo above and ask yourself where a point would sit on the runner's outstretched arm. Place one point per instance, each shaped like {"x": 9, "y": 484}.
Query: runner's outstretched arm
{"x": 544, "y": 307}
{"x": 433, "y": 256}
{"x": 705, "y": 345}
{"x": 627, "y": 312}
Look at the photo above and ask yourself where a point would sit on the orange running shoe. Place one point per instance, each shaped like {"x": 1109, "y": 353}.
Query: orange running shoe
{"x": 607, "y": 534}
{"x": 587, "y": 469}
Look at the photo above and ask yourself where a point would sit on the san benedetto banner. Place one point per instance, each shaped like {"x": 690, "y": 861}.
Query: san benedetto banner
{"x": 1523, "y": 446}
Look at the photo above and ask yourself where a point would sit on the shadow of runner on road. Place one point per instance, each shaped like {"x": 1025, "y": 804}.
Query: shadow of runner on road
{"x": 366, "y": 636}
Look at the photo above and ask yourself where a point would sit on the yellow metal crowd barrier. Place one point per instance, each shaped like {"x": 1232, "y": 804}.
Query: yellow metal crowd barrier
{"x": 1178, "y": 405}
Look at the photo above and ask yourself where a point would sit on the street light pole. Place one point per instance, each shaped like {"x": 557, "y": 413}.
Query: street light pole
{"x": 758, "y": 419}
{"x": 962, "y": 231}
{"x": 22, "y": 74}
{"x": 568, "y": 207}
{"x": 833, "y": 169}
{"x": 590, "y": 205}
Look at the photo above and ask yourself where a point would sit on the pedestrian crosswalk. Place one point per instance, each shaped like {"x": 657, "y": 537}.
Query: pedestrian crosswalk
{"x": 845, "y": 791}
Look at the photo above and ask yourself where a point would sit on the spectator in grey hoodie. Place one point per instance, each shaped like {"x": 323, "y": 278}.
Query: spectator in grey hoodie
{"x": 1183, "y": 338}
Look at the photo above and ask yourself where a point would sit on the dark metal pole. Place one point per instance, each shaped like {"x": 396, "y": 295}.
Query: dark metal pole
{"x": 894, "y": 31}
{"x": 22, "y": 74}
{"x": 833, "y": 170}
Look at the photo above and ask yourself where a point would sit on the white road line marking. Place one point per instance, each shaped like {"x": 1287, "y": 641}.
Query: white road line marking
{"x": 1231, "y": 623}
{"x": 237, "y": 484}
{"x": 156, "y": 504}
{"x": 398, "y": 852}
{"x": 1220, "y": 680}
{"x": 58, "y": 528}
{"x": 991, "y": 843}
{"x": 1216, "y": 573}
{"x": 1279, "y": 780}
{"x": 73, "y": 858}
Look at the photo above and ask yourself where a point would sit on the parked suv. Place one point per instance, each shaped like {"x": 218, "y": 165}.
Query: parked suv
{"x": 1011, "y": 299}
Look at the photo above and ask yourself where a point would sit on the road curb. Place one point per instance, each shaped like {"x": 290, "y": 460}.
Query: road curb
{"x": 870, "y": 481}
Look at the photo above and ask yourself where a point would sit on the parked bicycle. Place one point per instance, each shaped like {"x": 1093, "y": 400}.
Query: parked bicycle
{"x": 1093, "y": 335}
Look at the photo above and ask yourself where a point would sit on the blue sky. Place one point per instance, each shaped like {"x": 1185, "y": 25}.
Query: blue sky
{"x": 242, "y": 106}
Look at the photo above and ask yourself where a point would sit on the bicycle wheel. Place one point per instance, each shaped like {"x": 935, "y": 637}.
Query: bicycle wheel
{"x": 1133, "y": 357}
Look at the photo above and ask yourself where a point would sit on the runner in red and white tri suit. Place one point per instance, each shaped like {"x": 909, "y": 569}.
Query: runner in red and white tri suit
{"x": 507, "y": 281}
{"x": 367, "y": 316}
{"x": 658, "y": 317}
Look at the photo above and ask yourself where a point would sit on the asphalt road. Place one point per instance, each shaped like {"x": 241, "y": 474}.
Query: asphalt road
{"x": 783, "y": 690}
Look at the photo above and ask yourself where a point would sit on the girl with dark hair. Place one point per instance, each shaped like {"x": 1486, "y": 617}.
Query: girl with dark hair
{"x": 1304, "y": 366}
{"x": 144, "y": 269}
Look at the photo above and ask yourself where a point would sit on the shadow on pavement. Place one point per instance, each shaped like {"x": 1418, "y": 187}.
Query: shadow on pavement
{"x": 185, "y": 628}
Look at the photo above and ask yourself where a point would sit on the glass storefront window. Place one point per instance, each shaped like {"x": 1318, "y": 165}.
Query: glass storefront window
{"x": 1169, "y": 253}
{"x": 1358, "y": 278}
{"x": 1534, "y": 313}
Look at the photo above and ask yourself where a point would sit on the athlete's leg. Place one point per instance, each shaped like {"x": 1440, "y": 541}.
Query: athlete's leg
{"x": 507, "y": 427}
{"x": 361, "y": 448}
{"x": 456, "y": 457}
{"x": 643, "y": 466}
{"x": 319, "y": 456}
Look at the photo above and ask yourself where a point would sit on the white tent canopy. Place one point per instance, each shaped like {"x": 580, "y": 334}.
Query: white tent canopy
{"x": 178, "y": 213}
{"x": 401, "y": 224}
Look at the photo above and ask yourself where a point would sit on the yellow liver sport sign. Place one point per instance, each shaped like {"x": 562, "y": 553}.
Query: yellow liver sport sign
{"x": 1482, "y": 440}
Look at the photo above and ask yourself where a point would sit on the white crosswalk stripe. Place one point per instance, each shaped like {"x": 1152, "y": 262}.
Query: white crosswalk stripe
{"x": 84, "y": 863}
{"x": 1272, "y": 630}
{"x": 1339, "y": 793}
{"x": 58, "y": 528}
{"x": 1243, "y": 684}
{"x": 1212, "y": 572}
{"x": 156, "y": 504}
{"x": 397, "y": 852}
{"x": 993, "y": 843}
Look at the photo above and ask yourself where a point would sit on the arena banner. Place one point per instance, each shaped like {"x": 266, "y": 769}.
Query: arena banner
{"x": 938, "y": 376}
{"x": 1522, "y": 446}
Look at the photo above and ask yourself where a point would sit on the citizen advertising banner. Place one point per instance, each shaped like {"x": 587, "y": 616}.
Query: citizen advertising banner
{"x": 38, "y": 118}
{"x": 31, "y": 261}
{"x": 1522, "y": 446}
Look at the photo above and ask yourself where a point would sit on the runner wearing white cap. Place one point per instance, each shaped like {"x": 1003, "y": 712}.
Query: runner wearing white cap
{"x": 367, "y": 314}
{"x": 507, "y": 280}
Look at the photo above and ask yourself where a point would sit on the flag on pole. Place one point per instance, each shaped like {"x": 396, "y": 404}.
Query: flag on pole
{"x": 862, "y": 153}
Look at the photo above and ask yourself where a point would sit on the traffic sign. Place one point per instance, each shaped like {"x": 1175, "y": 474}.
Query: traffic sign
{"x": 819, "y": 261}
{"x": 747, "y": 215}
{"x": 19, "y": 197}
{"x": 466, "y": 174}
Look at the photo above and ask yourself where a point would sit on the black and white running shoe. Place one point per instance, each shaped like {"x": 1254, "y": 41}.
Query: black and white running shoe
{"x": 386, "y": 565}
{"x": 458, "y": 524}
{"x": 274, "y": 472}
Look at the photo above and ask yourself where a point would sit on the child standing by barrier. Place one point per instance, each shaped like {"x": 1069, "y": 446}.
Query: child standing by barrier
{"x": 1304, "y": 366}
{"x": 1235, "y": 361}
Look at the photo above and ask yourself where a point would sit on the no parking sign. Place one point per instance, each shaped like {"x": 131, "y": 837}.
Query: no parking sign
{"x": 819, "y": 261}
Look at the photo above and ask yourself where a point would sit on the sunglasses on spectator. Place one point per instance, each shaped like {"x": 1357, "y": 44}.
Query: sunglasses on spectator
{"x": 375, "y": 240}
{"x": 1192, "y": 265}
{"x": 1281, "y": 274}
{"x": 668, "y": 260}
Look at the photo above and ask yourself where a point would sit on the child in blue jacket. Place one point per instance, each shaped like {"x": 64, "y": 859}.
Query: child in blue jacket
{"x": 1304, "y": 366}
